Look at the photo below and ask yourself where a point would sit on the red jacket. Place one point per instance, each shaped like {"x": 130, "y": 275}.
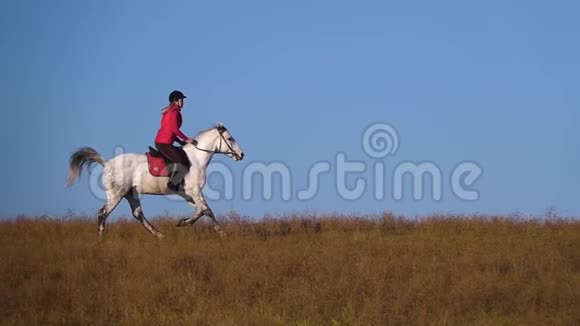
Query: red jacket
{"x": 170, "y": 124}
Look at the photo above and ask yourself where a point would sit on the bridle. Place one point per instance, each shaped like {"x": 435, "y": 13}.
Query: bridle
{"x": 230, "y": 150}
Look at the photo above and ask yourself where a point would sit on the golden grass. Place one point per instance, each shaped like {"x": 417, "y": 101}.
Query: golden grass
{"x": 298, "y": 270}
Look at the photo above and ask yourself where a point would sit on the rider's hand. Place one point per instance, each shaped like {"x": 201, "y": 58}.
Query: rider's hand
{"x": 191, "y": 141}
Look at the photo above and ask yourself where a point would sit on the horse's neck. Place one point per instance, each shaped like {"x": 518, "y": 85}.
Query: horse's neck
{"x": 202, "y": 158}
{"x": 199, "y": 158}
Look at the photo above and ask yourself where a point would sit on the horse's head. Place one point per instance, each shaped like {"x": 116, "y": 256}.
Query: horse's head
{"x": 228, "y": 144}
{"x": 220, "y": 141}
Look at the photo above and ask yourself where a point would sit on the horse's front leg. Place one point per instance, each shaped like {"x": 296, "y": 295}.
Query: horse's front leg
{"x": 216, "y": 225}
{"x": 195, "y": 198}
{"x": 188, "y": 196}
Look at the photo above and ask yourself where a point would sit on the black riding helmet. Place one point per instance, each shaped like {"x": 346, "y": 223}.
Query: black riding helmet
{"x": 176, "y": 95}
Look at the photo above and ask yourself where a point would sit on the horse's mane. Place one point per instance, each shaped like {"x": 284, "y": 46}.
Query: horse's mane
{"x": 215, "y": 126}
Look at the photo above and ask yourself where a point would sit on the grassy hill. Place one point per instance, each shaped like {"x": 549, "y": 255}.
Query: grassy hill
{"x": 305, "y": 270}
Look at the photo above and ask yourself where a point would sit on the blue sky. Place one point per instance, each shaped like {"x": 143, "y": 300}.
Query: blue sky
{"x": 297, "y": 82}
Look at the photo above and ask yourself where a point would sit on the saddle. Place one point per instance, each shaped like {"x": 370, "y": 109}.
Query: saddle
{"x": 157, "y": 163}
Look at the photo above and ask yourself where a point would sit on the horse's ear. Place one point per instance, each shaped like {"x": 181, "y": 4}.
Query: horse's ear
{"x": 220, "y": 127}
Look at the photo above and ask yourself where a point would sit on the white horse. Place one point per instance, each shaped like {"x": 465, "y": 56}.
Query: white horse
{"x": 127, "y": 176}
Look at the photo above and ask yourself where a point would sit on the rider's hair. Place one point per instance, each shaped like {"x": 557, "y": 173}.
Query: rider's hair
{"x": 165, "y": 108}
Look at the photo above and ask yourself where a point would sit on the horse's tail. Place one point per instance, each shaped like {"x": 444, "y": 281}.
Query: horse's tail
{"x": 81, "y": 157}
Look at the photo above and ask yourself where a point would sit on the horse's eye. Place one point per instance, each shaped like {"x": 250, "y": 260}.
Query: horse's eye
{"x": 230, "y": 139}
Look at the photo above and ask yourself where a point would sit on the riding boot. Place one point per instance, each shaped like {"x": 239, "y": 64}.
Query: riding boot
{"x": 172, "y": 183}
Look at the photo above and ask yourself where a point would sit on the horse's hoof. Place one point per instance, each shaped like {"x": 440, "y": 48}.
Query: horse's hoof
{"x": 181, "y": 223}
{"x": 160, "y": 236}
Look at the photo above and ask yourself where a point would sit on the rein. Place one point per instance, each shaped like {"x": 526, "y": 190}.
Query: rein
{"x": 230, "y": 150}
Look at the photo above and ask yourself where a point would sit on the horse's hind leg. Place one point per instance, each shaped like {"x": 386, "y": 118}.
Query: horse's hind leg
{"x": 113, "y": 200}
{"x": 133, "y": 199}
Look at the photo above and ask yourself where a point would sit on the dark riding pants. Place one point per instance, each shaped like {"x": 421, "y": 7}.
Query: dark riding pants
{"x": 174, "y": 154}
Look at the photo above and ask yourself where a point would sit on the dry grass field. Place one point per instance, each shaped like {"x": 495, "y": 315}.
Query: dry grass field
{"x": 296, "y": 270}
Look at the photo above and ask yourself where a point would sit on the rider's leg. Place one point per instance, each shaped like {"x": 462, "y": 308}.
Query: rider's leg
{"x": 178, "y": 168}
{"x": 177, "y": 172}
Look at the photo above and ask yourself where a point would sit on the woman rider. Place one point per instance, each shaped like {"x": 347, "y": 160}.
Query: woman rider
{"x": 167, "y": 134}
